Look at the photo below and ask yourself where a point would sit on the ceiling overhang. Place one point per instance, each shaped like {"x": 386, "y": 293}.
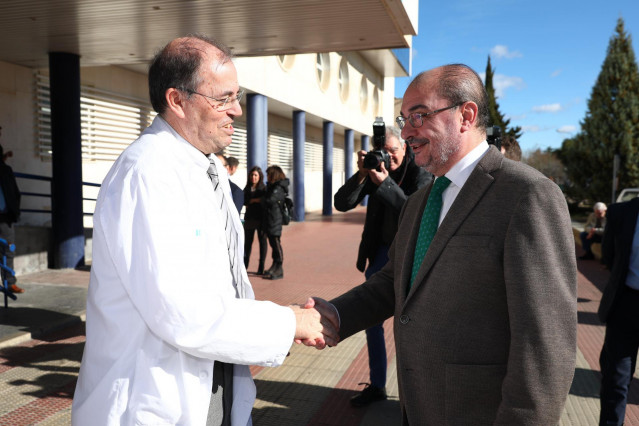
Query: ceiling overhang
{"x": 126, "y": 32}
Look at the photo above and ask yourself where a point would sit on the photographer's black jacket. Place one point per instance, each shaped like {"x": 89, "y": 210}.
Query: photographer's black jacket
{"x": 384, "y": 204}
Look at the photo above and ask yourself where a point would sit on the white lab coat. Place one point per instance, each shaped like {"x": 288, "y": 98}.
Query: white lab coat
{"x": 161, "y": 305}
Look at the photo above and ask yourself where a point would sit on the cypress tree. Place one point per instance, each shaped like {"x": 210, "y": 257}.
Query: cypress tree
{"x": 496, "y": 117}
{"x": 611, "y": 126}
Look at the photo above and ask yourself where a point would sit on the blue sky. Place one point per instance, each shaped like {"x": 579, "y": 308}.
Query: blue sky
{"x": 546, "y": 55}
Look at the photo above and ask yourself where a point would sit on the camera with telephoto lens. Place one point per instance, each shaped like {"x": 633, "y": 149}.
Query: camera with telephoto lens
{"x": 493, "y": 136}
{"x": 373, "y": 159}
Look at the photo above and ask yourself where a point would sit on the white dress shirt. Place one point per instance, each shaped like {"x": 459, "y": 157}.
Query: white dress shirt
{"x": 458, "y": 175}
{"x": 161, "y": 304}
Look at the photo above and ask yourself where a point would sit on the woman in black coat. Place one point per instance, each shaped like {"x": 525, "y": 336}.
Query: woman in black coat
{"x": 276, "y": 192}
{"x": 253, "y": 194}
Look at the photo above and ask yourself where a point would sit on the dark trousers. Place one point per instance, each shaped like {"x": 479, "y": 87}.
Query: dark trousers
{"x": 586, "y": 243}
{"x": 377, "y": 361}
{"x": 249, "y": 234}
{"x": 619, "y": 357}
{"x": 276, "y": 249}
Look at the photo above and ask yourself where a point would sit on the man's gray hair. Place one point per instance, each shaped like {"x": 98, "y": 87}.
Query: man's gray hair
{"x": 393, "y": 131}
{"x": 599, "y": 206}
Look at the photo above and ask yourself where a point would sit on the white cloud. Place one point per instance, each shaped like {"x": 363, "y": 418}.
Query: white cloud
{"x": 502, "y": 82}
{"x": 517, "y": 117}
{"x": 530, "y": 129}
{"x": 567, "y": 129}
{"x": 547, "y": 108}
{"x": 556, "y": 73}
{"x": 501, "y": 51}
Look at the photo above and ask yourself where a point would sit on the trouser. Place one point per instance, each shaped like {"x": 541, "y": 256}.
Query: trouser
{"x": 586, "y": 243}
{"x": 248, "y": 244}
{"x": 7, "y": 232}
{"x": 619, "y": 356}
{"x": 276, "y": 249}
{"x": 377, "y": 362}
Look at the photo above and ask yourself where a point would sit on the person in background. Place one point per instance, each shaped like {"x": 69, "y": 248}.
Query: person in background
{"x": 388, "y": 191}
{"x": 593, "y": 230}
{"x": 236, "y": 192}
{"x": 9, "y": 214}
{"x": 276, "y": 192}
{"x": 254, "y": 215}
{"x": 510, "y": 148}
{"x": 619, "y": 310}
{"x": 171, "y": 321}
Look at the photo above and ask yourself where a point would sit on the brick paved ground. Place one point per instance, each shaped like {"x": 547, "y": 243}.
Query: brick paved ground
{"x": 37, "y": 376}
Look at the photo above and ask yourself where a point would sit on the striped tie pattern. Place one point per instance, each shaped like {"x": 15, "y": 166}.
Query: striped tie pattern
{"x": 229, "y": 229}
{"x": 429, "y": 223}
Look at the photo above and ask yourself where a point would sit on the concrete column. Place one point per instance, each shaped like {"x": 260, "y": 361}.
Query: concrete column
{"x": 349, "y": 136}
{"x": 299, "y": 138}
{"x": 365, "y": 147}
{"x": 327, "y": 144}
{"x": 66, "y": 141}
{"x": 256, "y": 131}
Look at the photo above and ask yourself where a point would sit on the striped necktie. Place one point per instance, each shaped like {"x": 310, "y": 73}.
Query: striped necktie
{"x": 229, "y": 229}
{"x": 221, "y": 401}
{"x": 429, "y": 224}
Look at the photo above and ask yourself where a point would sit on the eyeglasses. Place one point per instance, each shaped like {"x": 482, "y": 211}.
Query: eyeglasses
{"x": 226, "y": 103}
{"x": 416, "y": 119}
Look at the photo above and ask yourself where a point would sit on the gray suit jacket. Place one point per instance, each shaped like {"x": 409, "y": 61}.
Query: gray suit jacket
{"x": 487, "y": 334}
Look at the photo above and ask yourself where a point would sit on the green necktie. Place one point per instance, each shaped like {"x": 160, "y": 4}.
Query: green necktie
{"x": 429, "y": 224}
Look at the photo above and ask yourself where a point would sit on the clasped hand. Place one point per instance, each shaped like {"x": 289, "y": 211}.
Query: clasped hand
{"x": 317, "y": 323}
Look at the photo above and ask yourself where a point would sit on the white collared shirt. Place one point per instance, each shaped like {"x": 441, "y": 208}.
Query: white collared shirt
{"x": 459, "y": 174}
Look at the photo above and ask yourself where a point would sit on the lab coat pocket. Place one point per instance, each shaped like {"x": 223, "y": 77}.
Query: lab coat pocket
{"x": 155, "y": 395}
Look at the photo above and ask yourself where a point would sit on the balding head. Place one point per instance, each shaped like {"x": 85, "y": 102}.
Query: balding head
{"x": 177, "y": 65}
{"x": 458, "y": 83}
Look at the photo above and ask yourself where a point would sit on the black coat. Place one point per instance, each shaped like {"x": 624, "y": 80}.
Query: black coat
{"x": 253, "y": 215}
{"x": 384, "y": 204}
{"x": 11, "y": 194}
{"x": 615, "y": 250}
{"x": 273, "y": 199}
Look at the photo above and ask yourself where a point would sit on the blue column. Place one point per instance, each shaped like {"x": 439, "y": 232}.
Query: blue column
{"x": 299, "y": 138}
{"x": 256, "y": 131}
{"x": 66, "y": 141}
{"x": 365, "y": 144}
{"x": 349, "y": 137}
{"x": 327, "y": 144}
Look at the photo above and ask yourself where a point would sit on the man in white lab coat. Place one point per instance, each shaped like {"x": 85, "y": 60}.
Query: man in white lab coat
{"x": 164, "y": 301}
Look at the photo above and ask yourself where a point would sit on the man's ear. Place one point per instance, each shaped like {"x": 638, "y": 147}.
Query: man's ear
{"x": 469, "y": 112}
{"x": 175, "y": 101}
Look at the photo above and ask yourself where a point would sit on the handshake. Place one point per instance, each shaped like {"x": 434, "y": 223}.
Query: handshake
{"x": 317, "y": 323}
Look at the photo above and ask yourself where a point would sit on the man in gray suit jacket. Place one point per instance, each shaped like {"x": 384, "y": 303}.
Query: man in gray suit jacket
{"x": 486, "y": 329}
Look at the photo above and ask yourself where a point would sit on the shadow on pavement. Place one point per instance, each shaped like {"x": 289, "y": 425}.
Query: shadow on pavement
{"x": 36, "y": 321}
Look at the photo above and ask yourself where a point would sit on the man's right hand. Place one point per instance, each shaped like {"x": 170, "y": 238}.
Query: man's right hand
{"x": 315, "y": 325}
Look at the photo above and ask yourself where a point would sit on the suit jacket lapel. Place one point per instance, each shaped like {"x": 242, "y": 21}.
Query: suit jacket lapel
{"x": 473, "y": 190}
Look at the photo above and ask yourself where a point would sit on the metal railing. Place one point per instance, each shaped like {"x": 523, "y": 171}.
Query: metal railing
{"x": 48, "y": 195}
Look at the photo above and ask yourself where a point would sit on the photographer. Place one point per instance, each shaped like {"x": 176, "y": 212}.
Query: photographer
{"x": 388, "y": 185}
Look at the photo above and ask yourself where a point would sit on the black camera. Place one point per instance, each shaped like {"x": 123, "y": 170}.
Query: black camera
{"x": 493, "y": 136}
{"x": 373, "y": 159}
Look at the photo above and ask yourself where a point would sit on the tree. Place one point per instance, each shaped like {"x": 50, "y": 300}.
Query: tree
{"x": 496, "y": 117}
{"x": 548, "y": 164}
{"x": 611, "y": 126}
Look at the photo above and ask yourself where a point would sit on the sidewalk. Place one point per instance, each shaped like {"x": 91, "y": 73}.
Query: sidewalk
{"x": 41, "y": 341}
